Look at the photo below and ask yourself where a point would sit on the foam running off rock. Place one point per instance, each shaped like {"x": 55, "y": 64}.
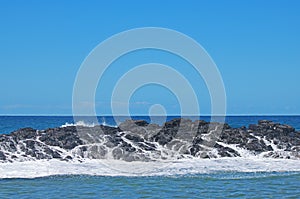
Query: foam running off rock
{"x": 139, "y": 141}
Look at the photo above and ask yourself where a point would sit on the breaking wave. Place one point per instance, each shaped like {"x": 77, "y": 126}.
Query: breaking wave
{"x": 42, "y": 168}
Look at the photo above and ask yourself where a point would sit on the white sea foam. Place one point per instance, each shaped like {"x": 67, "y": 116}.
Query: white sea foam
{"x": 41, "y": 168}
{"x": 79, "y": 123}
{"x": 85, "y": 124}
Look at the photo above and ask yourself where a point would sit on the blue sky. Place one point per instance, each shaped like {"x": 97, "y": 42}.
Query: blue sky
{"x": 255, "y": 44}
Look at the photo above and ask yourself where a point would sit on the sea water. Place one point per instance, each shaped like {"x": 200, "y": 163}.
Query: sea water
{"x": 194, "y": 178}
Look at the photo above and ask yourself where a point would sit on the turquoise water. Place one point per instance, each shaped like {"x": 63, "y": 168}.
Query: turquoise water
{"x": 220, "y": 185}
{"x": 285, "y": 184}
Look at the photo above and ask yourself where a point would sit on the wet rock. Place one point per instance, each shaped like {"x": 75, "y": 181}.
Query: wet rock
{"x": 2, "y": 156}
{"x": 138, "y": 141}
{"x": 167, "y": 133}
{"x": 134, "y": 138}
{"x": 25, "y": 133}
{"x": 226, "y": 151}
{"x": 141, "y": 122}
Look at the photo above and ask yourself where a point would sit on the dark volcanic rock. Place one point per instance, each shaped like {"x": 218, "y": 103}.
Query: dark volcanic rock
{"x": 168, "y": 132}
{"x": 141, "y": 141}
{"x": 2, "y": 156}
{"x": 25, "y": 133}
{"x": 226, "y": 151}
{"x": 66, "y": 138}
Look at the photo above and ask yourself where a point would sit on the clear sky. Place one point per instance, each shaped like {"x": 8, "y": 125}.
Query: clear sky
{"x": 255, "y": 44}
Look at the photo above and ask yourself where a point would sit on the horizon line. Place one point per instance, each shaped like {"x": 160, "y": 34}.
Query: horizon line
{"x": 143, "y": 115}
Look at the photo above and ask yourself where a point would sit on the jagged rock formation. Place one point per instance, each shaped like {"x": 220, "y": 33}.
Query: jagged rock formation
{"x": 140, "y": 141}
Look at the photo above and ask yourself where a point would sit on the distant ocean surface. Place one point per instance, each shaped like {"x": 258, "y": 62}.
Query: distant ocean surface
{"x": 250, "y": 181}
{"x": 12, "y": 123}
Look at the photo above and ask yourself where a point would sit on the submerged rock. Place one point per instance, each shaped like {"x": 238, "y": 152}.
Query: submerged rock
{"x": 141, "y": 141}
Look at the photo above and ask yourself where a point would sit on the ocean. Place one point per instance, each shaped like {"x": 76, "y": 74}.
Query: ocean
{"x": 248, "y": 177}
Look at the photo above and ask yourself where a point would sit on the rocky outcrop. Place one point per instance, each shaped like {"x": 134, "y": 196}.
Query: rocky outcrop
{"x": 141, "y": 141}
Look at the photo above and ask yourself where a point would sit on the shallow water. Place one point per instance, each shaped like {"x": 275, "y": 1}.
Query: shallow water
{"x": 219, "y": 185}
